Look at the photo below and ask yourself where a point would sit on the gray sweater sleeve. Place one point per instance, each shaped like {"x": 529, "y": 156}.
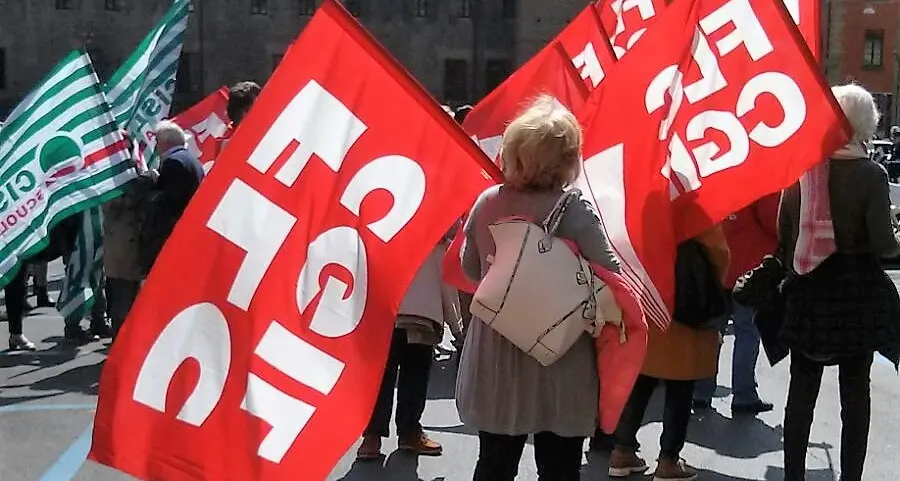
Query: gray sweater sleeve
{"x": 471, "y": 260}
{"x": 878, "y": 218}
{"x": 589, "y": 236}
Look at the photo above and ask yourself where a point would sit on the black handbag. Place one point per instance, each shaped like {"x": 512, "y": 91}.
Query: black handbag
{"x": 700, "y": 299}
{"x": 761, "y": 290}
{"x": 761, "y": 287}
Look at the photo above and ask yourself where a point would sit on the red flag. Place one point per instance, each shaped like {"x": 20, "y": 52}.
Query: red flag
{"x": 551, "y": 73}
{"x": 208, "y": 125}
{"x": 583, "y": 41}
{"x": 264, "y": 362}
{"x": 807, "y": 16}
{"x": 555, "y": 76}
{"x": 737, "y": 110}
{"x": 626, "y": 21}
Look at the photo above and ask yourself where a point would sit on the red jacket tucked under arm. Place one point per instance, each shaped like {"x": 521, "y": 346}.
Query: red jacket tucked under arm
{"x": 752, "y": 233}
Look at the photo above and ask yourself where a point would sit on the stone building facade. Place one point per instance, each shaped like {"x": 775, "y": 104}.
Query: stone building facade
{"x": 860, "y": 44}
{"x": 457, "y": 49}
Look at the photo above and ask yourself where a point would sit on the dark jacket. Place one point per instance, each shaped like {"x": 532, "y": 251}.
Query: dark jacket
{"x": 180, "y": 174}
{"x": 847, "y": 305}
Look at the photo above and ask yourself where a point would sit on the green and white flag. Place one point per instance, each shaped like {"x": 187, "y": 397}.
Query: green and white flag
{"x": 61, "y": 152}
{"x": 141, "y": 90}
{"x": 140, "y": 93}
{"x": 84, "y": 270}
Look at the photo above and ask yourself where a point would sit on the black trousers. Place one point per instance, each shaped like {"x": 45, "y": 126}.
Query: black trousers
{"x": 557, "y": 458}
{"x": 413, "y": 361}
{"x": 120, "y": 296}
{"x": 856, "y": 412}
{"x": 15, "y": 300}
{"x": 676, "y": 415}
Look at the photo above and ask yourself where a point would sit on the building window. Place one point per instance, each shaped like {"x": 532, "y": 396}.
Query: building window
{"x": 422, "y": 8}
{"x": 353, "y": 6}
{"x": 113, "y": 5}
{"x": 465, "y": 9}
{"x": 508, "y": 8}
{"x": 495, "y": 72}
{"x": 2, "y": 68}
{"x": 259, "y": 7}
{"x": 63, "y": 4}
{"x": 307, "y": 7}
{"x": 190, "y": 75}
{"x": 873, "y": 51}
{"x": 456, "y": 78}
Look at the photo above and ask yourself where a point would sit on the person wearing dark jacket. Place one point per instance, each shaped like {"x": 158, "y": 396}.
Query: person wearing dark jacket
{"x": 840, "y": 307}
{"x": 752, "y": 233}
{"x": 179, "y": 176}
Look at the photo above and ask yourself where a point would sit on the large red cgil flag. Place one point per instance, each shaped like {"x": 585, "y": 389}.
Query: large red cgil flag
{"x": 583, "y": 43}
{"x": 626, "y": 21}
{"x": 265, "y": 361}
{"x": 719, "y": 105}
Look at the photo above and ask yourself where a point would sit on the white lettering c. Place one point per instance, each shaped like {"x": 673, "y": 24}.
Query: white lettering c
{"x": 789, "y": 96}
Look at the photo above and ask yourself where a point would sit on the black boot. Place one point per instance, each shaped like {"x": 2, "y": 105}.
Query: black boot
{"x": 43, "y": 299}
{"x": 77, "y": 336}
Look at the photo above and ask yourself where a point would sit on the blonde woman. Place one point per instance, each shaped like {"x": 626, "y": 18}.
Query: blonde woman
{"x": 502, "y": 392}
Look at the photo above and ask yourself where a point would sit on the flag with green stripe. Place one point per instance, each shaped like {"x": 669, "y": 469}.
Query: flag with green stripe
{"x": 61, "y": 152}
{"x": 141, "y": 90}
{"x": 84, "y": 270}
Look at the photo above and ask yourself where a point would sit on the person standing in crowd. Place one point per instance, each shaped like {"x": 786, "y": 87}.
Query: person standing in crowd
{"x": 752, "y": 234}
{"x": 840, "y": 305}
{"x": 241, "y": 97}
{"x": 179, "y": 176}
{"x": 15, "y": 311}
{"x": 121, "y": 248}
{"x": 418, "y": 329}
{"x": 502, "y": 392}
{"x": 39, "y": 280}
{"x": 678, "y": 357}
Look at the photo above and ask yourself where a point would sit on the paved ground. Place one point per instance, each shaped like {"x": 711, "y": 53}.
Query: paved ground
{"x": 47, "y": 399}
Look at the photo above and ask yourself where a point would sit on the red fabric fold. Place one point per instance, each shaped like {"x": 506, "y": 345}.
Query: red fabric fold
{"x": 618, "y": 364}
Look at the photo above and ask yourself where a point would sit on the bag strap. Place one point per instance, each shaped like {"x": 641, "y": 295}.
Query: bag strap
{"x": 554, "y": 218}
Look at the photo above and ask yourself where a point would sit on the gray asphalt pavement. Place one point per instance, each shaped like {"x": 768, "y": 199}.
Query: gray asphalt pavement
{"x": 47, "y": 400}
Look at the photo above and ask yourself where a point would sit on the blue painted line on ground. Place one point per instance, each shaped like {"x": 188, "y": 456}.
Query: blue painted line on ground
{"x": 30, "y": 408}
{"x": 69, "y": 463}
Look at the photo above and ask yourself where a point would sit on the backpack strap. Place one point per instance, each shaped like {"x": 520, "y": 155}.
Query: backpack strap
{"x": 554, "y": 218}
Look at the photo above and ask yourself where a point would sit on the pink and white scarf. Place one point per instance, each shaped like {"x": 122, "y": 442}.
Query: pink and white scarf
{"x": 815, "y": 239}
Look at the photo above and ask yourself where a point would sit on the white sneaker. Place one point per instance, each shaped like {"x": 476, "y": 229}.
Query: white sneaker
{"x": 18, "y": 342}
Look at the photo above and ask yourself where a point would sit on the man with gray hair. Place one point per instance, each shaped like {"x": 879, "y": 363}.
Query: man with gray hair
{"x": 180, "y": 173}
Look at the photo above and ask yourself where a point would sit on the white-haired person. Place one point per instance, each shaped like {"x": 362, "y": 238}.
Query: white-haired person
{"x": 502, "y": 392}
{"x": 840, "y": 306}
{"x": 180, "y": 174}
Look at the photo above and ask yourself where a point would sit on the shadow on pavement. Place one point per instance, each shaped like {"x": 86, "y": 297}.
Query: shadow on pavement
{"x": 743, "y": 437}
{"x": 777, "y": 474}
{"x": 399, "y": 466}
{"x": 82, "y": 379}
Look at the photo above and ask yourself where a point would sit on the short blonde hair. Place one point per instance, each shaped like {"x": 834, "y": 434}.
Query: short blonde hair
{"x": 859, "y": 107}
{"x": 542, "y": 147}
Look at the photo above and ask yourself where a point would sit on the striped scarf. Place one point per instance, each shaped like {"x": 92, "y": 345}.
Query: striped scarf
{"x": 815, "y": 239}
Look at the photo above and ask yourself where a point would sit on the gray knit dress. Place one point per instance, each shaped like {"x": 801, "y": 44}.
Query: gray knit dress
{"x": 500, "y": 389}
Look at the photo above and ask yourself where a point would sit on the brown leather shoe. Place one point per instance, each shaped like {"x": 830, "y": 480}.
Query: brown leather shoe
{"x": 420, "y": 444}
{"x": 370, "y": 448}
